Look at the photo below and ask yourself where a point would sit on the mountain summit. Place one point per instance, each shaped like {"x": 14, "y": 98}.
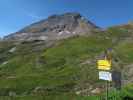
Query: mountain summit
{"x": 55, "y": 27}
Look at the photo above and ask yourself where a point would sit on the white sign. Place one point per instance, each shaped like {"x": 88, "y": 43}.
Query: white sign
{"x": 104, "y": 75}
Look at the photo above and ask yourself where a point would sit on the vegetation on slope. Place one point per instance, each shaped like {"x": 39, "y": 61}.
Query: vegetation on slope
{"x": 34, "y": 70}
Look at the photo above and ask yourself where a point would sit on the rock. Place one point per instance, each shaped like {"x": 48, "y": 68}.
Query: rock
{"x": 96, "y": 91}
{"x": 12, "y": 50}
{"x": 11, "y": 77}
{"x": 130, "y": 22}
{"x": 127, "y": 74}
{"x": 4, "y": 63}
{"x": 86, "y": 62}
{"x": 82, "y": 92}
{"x": 78, "y": 92}
{"x": 38, "y": 89}
{"x": 42, "y": 38}
{"x": 0, "y": 39}
{"x": 12, "y": 93}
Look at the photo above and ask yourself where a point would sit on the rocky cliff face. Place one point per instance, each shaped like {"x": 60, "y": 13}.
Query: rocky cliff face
{"x": 55, "y": 27}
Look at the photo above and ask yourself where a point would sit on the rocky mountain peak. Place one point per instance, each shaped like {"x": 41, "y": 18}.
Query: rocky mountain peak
{"x": 130, "y": 22}
{"x": 73, "y": 15}
{"x": 54, "y": 27}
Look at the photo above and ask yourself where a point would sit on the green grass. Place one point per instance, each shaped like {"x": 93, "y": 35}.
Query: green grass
{"x": 127, "y": 91}
{"x": 59, "y": 69}
{"x": 60, "y": 66}
{"x": 124, "y": 50}
{"x": 56, "y": 97}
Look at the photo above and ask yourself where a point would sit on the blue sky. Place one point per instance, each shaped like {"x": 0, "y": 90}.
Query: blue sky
{"x": 16, "y": 14}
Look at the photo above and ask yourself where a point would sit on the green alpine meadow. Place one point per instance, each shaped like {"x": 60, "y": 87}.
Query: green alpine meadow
{"x": 53, "y": 61}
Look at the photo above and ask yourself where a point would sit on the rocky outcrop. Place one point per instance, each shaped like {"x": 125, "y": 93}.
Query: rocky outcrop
{"x": 54, "y": 28}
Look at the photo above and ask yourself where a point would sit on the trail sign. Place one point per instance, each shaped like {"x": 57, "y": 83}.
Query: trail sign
{"x": 103, "y": 75}
{"x": 116, "y": 77}
{"x": 104, "y": 64}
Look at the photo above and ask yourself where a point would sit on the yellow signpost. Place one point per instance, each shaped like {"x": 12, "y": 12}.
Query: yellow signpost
{"x": 104, "y": 64}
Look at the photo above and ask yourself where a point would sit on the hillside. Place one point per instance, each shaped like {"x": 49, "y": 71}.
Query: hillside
{"x": 66, "y": 68}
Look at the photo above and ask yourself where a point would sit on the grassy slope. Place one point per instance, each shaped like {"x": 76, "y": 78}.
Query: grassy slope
{"x": 57, "y": 70}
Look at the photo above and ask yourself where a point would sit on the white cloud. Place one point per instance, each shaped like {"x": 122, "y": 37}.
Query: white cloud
{"x": 34, "y": 16}
{"x": 31, "y": 14}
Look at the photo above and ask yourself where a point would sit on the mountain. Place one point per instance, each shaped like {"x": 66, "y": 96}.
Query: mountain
{"x": 54, "y": 28}
{"x": 66, "y": 69}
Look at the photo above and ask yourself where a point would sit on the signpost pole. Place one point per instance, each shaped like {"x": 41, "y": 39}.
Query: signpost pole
{"x": 104, "y": 66}
{"x": 107, "y": 90}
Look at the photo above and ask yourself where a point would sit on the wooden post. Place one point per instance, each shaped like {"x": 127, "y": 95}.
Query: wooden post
{"x": 107, "y": 90}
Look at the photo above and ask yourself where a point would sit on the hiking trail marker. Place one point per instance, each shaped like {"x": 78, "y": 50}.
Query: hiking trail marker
{"x": 104, "y": 64}
{"x": 103, "y": 75}
{"x": 104, "y": 67}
